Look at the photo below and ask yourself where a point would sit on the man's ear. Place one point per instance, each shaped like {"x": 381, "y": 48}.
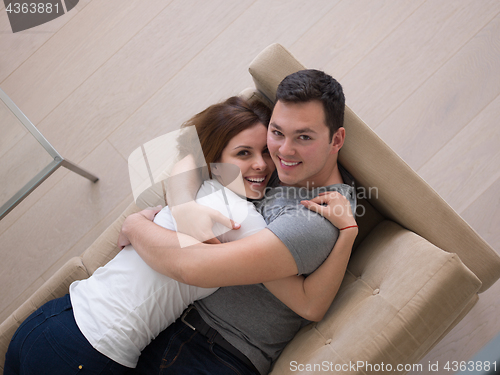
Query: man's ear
{"x": 338, "y": 140}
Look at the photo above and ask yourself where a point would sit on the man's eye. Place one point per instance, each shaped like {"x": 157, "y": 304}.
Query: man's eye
{"x": 276, "y": 132}
{"x": 305, "y": 137}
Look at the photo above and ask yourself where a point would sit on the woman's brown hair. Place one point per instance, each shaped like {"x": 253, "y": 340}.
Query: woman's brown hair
{"x": 219, "y": 123}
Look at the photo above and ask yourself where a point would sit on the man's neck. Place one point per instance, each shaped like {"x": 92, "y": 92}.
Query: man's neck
{"x": 334, "y": 177}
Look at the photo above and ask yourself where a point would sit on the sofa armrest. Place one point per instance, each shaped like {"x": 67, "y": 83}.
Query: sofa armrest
{"x": 400, "y": 294}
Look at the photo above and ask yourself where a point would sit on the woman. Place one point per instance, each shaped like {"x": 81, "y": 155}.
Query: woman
{"x": 107, "y": 319}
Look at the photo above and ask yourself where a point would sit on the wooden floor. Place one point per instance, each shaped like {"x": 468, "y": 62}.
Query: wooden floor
{"x": 112, "y": 74}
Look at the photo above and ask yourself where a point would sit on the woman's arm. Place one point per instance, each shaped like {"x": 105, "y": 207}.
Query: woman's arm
{"x": 311, "y": 297}
{"x": 184, "y": 181}
{"x": 192, "y": 218}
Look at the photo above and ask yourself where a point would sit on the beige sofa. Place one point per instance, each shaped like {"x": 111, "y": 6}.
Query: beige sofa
{"x": 416, "y": 270}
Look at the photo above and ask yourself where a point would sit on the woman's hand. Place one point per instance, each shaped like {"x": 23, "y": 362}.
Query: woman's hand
{"x": 197, "y": 220}
{"x": 149, "y": 213}
{"x": 334, "y": 207}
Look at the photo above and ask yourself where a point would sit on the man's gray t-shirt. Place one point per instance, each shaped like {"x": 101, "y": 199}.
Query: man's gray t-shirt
{"x": 251, "y": 318}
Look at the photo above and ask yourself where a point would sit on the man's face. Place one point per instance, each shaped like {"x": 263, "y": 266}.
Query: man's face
{"x": 299, "y": 143}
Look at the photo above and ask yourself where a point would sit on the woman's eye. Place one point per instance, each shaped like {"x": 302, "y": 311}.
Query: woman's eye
{"x": 243, "y": 153}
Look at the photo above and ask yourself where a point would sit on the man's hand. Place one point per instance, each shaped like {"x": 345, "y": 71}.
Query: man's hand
{"x": 148, "y": 213}
{"x": 197, "y": 221}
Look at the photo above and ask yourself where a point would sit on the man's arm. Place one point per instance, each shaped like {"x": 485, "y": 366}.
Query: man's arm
{"x": 311, "y": 296}
{"x": 255, "y": 259}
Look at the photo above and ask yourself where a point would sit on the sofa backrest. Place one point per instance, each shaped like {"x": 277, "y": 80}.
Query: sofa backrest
{"x": 403, "y": 196}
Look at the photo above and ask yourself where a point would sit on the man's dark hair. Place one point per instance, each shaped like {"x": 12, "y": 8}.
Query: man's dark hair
{"x": 310, "y": 84}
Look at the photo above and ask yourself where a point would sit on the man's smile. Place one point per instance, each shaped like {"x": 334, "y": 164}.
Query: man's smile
{"x": 289, "y": 163}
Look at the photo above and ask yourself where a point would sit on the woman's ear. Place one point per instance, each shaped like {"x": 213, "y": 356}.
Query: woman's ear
{"x": 338, "y": 140}
{"x": 215, "y": 171}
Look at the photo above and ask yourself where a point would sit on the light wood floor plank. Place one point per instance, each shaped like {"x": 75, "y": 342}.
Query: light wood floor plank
{"x": 468, "y": 164}
{"x": 20, "y": 164}
{"x": 483, "y": 214}
{"x": 218, "y": 71}
{"x": 10, "y": 128}
{"x": 411, "y": 54}
{"x": 31, "y": 199}
{"x": 348, "y": 32}
{"x": 23, "y": 44}
{"x": 447, "y": 101}
{"x": 75, "y": 52}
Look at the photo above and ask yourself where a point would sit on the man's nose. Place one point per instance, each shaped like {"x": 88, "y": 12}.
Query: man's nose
{"x": 287, "y": 148}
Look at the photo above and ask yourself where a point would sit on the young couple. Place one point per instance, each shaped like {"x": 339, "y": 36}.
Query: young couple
{"x": 107, "y": 320}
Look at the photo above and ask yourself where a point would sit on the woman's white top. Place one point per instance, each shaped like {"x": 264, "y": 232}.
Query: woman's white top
{"x": 126, "y": 304}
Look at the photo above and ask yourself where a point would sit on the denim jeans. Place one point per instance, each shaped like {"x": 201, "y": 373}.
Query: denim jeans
{"x": 180, "y": 350}
{"x": 49, "y": 342}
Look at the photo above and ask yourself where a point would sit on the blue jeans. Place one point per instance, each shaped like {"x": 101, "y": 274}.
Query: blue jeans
{"x": 180, "y": 350}
{"x": 50, "y": 342}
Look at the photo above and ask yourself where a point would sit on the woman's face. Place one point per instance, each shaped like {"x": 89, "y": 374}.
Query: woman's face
{"x": 248, "y": 151}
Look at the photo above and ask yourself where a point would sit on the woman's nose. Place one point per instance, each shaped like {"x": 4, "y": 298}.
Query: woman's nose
{"x": 260, "y": 163}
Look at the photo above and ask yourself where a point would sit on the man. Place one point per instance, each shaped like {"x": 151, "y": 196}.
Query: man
{"x": 242, "y": 326}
